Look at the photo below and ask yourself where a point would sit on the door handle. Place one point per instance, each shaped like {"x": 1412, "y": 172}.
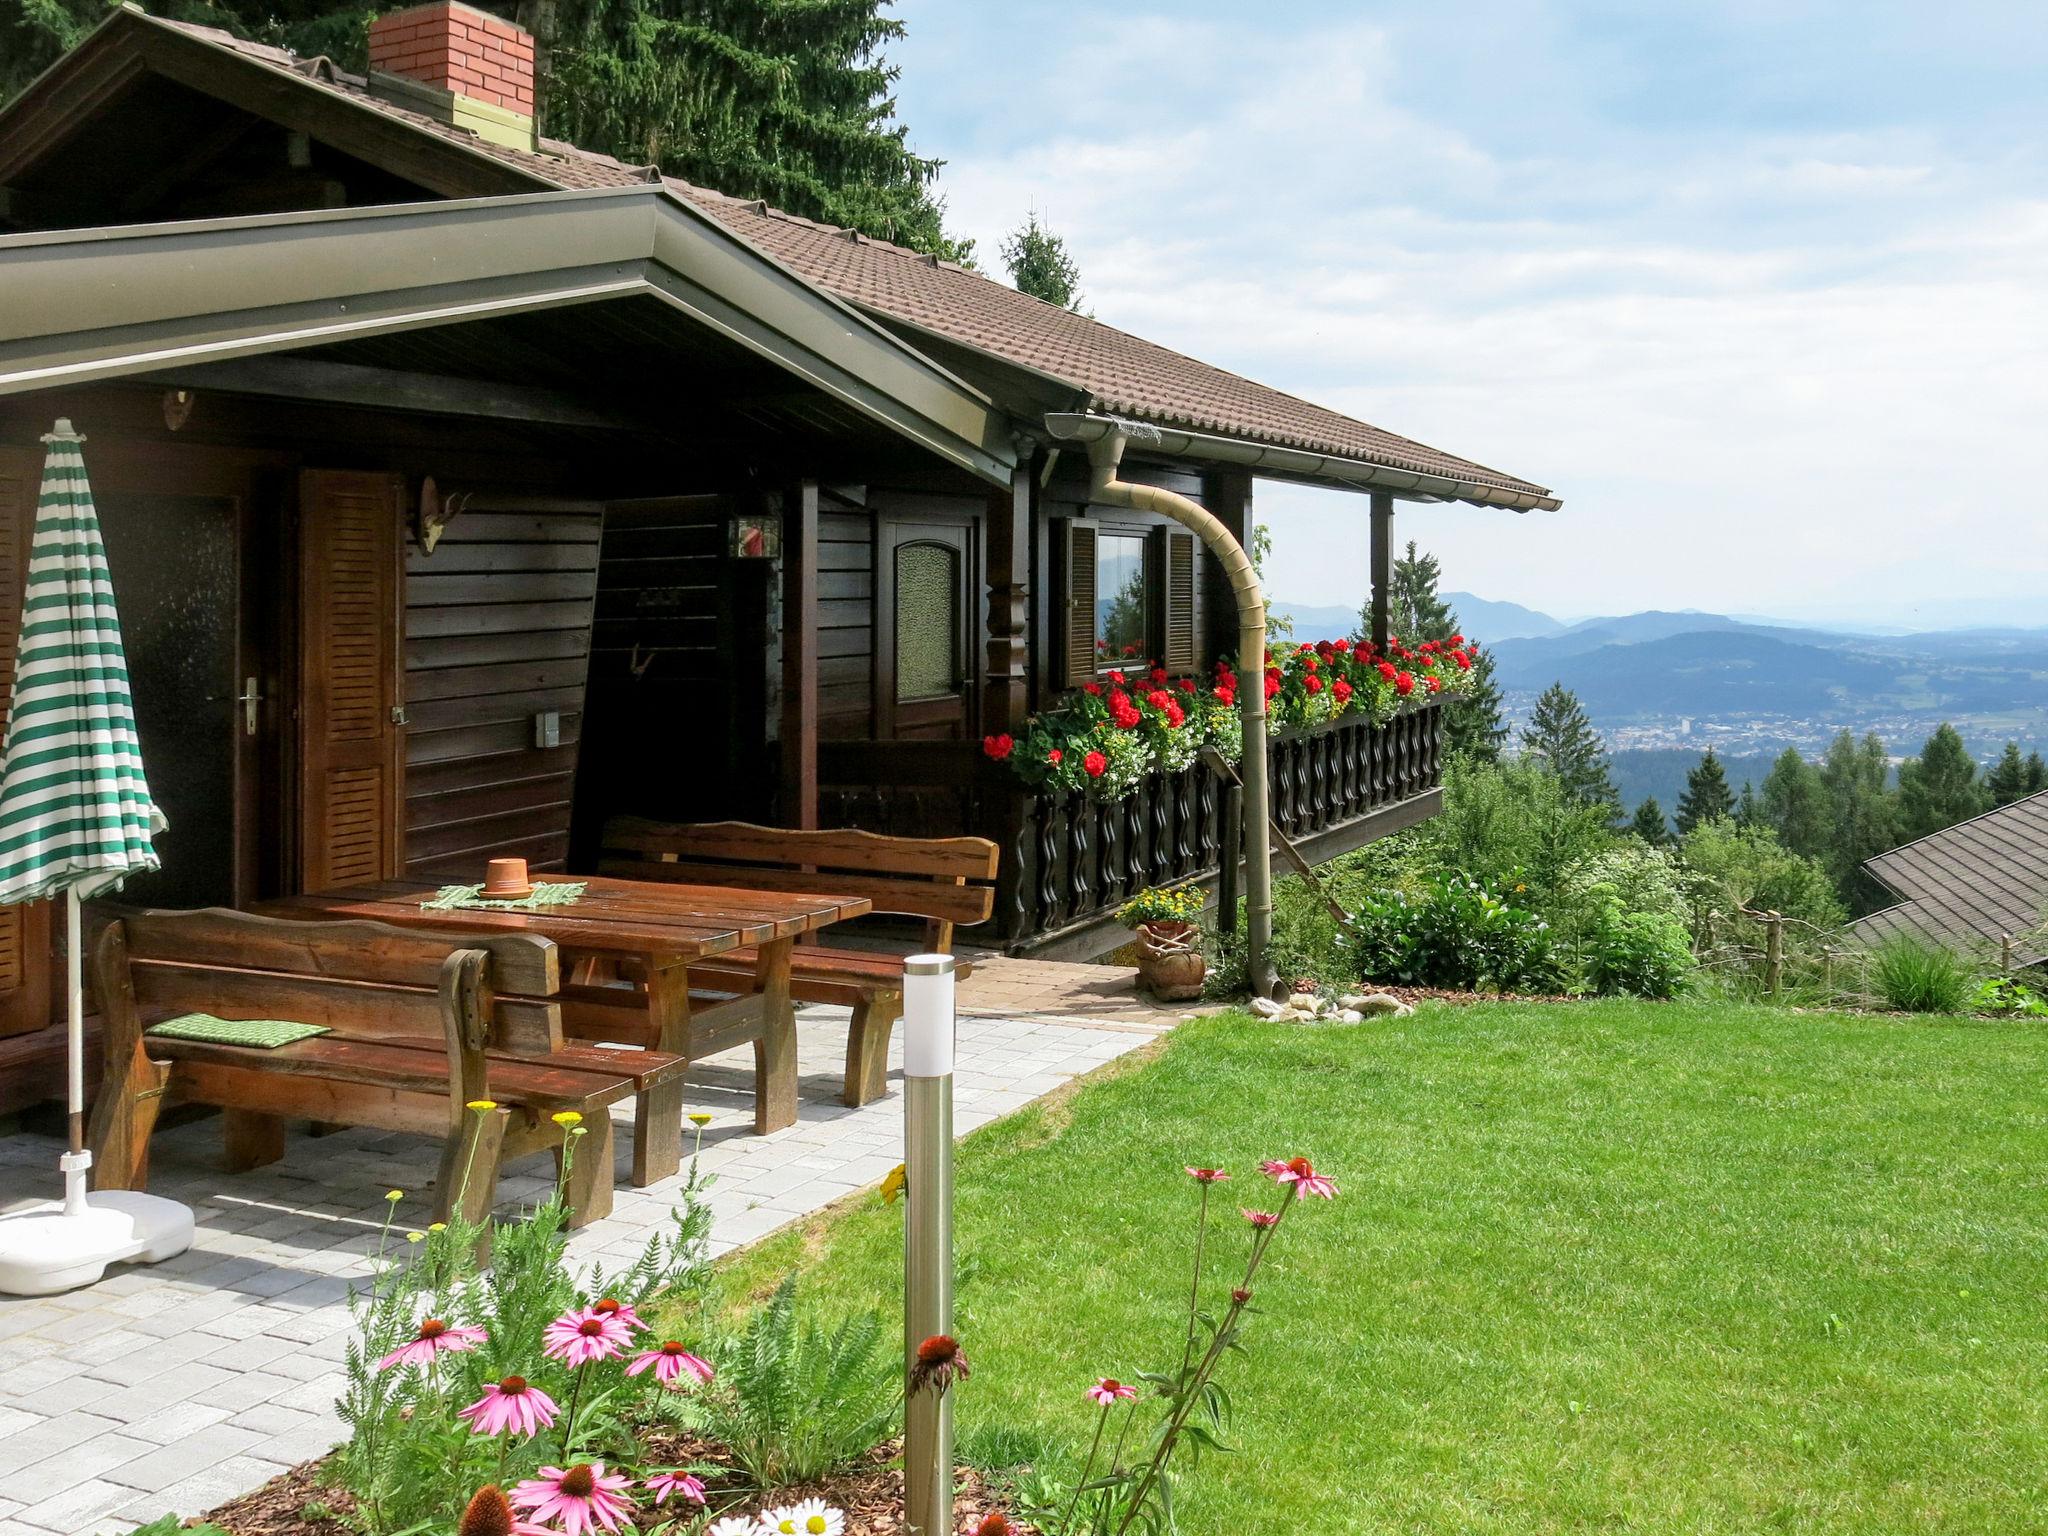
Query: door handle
{"x": 249, "y": 698}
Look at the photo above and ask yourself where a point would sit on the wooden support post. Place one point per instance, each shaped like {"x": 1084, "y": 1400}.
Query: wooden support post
{"x": 1006, "y": 686}
{"x": 1382, "y": 565}
{"x": 1774, "y": 952}
{"x": 800, "y": 655}
{"x": 1227, "y": 493}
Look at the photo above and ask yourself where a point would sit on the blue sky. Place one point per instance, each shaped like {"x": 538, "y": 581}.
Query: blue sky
{"x": 1761, "y": 289}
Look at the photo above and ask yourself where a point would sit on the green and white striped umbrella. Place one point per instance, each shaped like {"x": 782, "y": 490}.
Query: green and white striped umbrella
{"x": 75, "y": 811}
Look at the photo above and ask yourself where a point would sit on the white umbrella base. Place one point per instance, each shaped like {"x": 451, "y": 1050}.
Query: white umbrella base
{"x": 44, "y": 1251}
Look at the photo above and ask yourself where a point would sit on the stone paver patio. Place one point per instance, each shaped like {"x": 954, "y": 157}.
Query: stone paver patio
{"x": 177, "y": 1386}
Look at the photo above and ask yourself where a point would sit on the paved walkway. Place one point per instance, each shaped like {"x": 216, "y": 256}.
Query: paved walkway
{"x": 177, "y": 1386}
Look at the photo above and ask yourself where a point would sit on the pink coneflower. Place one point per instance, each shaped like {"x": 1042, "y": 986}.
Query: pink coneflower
{"x": 577, "y": 1338}
{"x": 1110, "y": 1390}
{"x": 1207, "y": 1175}
{"x": 433, "y": 1337}
{"x": 511, "y": 1405}
{"x": 1301, "y": 1173}
{"x": 579, "y": 1498}
{"x": 939, "y": 1361}
{"x": 669, "y": 1363}
{"x": 1262, "y": 1218}
{"x": 608, "y": 1307}
{"x": 679, "y": 1483}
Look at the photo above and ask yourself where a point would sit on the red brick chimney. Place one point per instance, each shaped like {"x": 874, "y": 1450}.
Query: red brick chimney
{"x": 478, "y": 68}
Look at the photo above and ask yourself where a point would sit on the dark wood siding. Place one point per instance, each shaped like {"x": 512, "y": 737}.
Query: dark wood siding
{"x": 846, "y": 617}
{"x": 497, "y": 631}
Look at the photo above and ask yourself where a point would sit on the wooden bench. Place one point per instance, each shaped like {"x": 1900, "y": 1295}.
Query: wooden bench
{"x": 947, "y": 881}
{"x": 421, "y": 1026}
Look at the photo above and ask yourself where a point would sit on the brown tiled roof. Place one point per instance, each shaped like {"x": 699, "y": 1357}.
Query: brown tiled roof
{"x": 1975, "y": 881}
{"x": 1121, "y": 373}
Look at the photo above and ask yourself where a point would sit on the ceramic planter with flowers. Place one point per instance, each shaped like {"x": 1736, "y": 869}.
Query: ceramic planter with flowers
{"x": 1170, "y": 963}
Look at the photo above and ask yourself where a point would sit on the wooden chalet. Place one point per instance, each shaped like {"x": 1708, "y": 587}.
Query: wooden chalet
{"x": 464, "y": 489}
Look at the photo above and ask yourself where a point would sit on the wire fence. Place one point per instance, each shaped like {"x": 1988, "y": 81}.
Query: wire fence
{"x": 1767, "y": 954}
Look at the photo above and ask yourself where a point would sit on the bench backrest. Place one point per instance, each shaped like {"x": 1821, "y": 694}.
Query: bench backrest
{"x": 945, "y": 880}
{"x": 365, "y": 980}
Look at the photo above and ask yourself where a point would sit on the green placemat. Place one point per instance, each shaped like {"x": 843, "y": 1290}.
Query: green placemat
{"x": 267, "y": 1033}
{"x": 556, "y": 893}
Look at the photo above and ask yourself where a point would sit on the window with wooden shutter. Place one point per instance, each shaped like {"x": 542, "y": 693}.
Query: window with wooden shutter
{"x": 1077, "y": 621}
{"x": 1177, "y": 647}
{"x": 24, "y": 930}
{"x": 350, "y": 736}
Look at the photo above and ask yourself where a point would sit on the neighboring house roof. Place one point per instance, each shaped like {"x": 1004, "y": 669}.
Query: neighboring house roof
{"x": 1975, "y": 882}
{"x": 1110, "y": 370}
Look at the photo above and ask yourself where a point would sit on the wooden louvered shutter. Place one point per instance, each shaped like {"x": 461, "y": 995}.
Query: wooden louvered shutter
{"x": 1177, "y": 646}
{"x": 1077, "y": 620}
{"x": 24, "y": 931}
{"x": 350, "y": 736}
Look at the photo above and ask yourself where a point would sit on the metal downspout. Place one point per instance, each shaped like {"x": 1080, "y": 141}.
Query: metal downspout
{"x": 1104, "y": 455}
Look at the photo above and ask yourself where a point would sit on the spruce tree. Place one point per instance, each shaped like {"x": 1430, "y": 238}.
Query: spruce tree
{"x": 1040, "y": 266}
{"x": 2037, "y": 773}
{"x": 1796, "y": 805}
{"x": 1706, "y": 796}
{"x": 1414, "y": 611}
{"x": 1475, "y": 725}
{"x": 2012, "y": 777}
{"x": 1938, "y": 788}
{"x": 1863, "y": 813}
{"x": 1649, "y": 824}
{"x": 1749, "y": 812}
{"x": 1559, "y": 733}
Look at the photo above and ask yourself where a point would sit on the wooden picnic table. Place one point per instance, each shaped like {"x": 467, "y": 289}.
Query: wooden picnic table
{"x": 665, "y": 929}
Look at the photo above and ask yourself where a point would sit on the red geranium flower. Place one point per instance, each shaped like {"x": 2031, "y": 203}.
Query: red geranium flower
{"x": 1159, "y": 675}
{"x": 1094, "y": 688}
{"x": 1312, "y": 683}
{"x": 1404, "y": 683}
{"x": 1054, "y": 756}
{"x": 1388, "y": 671}
{"x": 1096, "y": 764}
{"x": 1341, "y": 691}
{"x": 1174, "y": 714}
{"x": 1436, "y": 685}
{"x": 1272, "y": 685}
{"x": 1226, "y": 695}
{"x": 1457, "y": 639}
{"x": 1308, "y": 660}
{"x": 997, "y": 748}
{"x": 1464, "y": 662}
{"x": 1186, "y": 685}
{"x": 1340, "y": 645}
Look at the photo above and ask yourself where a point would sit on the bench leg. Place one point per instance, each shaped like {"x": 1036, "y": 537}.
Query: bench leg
{"x": 124, "y": 1114}
{"x": 658, "y": 1112}
{"x": 775, "y": 1051}
{"x": 589, "y": 1191}
{"x": 250, "y": 1138}
{"x": 867, "y": 1047}
{"x": 468, "y": 1182}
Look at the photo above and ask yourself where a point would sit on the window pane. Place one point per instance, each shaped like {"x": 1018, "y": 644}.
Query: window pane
{"x": 1122, "y": 624}
{"x": 927, "y": 621}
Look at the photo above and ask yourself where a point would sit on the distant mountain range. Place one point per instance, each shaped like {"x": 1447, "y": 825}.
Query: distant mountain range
{"x": 1658, "y": 681}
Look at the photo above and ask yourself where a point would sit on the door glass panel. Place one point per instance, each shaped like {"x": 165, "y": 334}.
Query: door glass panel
{"x": 1121, "y": 623}
{"x": 172, "y": 559}
{"x": 927, "y": 621}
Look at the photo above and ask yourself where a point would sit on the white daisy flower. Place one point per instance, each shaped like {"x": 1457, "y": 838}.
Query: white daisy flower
{"x": 814, "y": 1517}
{"x": 740, "y": 1525}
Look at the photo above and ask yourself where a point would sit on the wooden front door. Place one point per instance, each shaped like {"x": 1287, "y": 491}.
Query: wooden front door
{"x": 24, "y": 930}
{"x": 351, "y": 737}
{"x": 927, "y": 623}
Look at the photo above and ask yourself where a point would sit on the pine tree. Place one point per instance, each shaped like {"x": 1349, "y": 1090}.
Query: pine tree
{"x": 1706, "y": 796}
{"x": 1649, "y": 824}
{"x": 1749, "y": 812}
{"x": 2037, "y": 774}
{"x": 1559, "y": 733}
{"x": 1938, "y": 788}
{"x": 1475, "y": 725}
{"x": 1040, "y": 266}
{"x": 1414, "y": 611}
{"x": 1796, "y": 805}
{"x": 2014, "y": 777}
{"x": 1863, "y": 815}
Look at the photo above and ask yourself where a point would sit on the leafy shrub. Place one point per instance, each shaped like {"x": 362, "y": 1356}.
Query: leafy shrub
{"x": 1306, "y": 943}
{"x": 1639, "y": 954}
{"x": 2005, "y": 995}
{"x": 793, "y": 1399}
{"x": 1509, "y": 822}
{"x": 1913, "y": 975}
{"x": 1456, "y": 933}
{"x": 1738, "y": 866}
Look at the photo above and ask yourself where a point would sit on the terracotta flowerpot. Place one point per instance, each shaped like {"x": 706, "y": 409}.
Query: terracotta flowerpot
{"x": 1170, "y": 963}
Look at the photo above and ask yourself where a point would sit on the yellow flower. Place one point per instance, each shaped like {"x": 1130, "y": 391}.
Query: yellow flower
{"x": 895, "y": 1184}
{"x": 566, "y": 1117}
{"x": 415, "y": 1237}
{"x": 481, "y": 1105}
{"x": 699, "y": 1117}
{"x": 394, "y": 1196}
{"x": 579, "y": 1130}
{"x": 437, "y": 1226}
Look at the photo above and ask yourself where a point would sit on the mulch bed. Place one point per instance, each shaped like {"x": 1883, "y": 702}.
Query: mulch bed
{"x": 295, "y": 1503}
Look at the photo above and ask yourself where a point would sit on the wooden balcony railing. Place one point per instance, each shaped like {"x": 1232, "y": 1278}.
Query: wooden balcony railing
{"x": 1069, "y": 861}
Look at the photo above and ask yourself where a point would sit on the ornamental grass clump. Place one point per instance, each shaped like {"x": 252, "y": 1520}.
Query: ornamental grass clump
{"x": 1913, "y": 975}
{"x": 1126, "y": 1480}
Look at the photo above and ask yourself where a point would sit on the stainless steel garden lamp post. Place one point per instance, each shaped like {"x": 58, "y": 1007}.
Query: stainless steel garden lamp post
{"x": 927, "y": 1236}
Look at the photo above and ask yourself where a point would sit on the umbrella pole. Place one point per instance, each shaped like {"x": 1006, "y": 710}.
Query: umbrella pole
{"x": 77, "y": 1160}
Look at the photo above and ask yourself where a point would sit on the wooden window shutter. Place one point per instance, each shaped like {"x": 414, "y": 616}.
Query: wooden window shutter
{"x": 351, "y": 739}
{"x": 1177, "y": 651}
{"x": 1077, "y": 623}
{"x": 24, "y": 930}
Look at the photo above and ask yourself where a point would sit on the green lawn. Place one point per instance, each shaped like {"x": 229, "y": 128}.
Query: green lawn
{"x": 1611, "y": 1267}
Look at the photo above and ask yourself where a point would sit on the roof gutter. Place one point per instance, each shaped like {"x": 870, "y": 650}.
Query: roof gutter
{"x": 1179, "y": 443}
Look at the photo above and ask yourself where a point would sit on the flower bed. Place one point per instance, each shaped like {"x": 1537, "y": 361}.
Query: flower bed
{"x": 1106, "y": 736}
